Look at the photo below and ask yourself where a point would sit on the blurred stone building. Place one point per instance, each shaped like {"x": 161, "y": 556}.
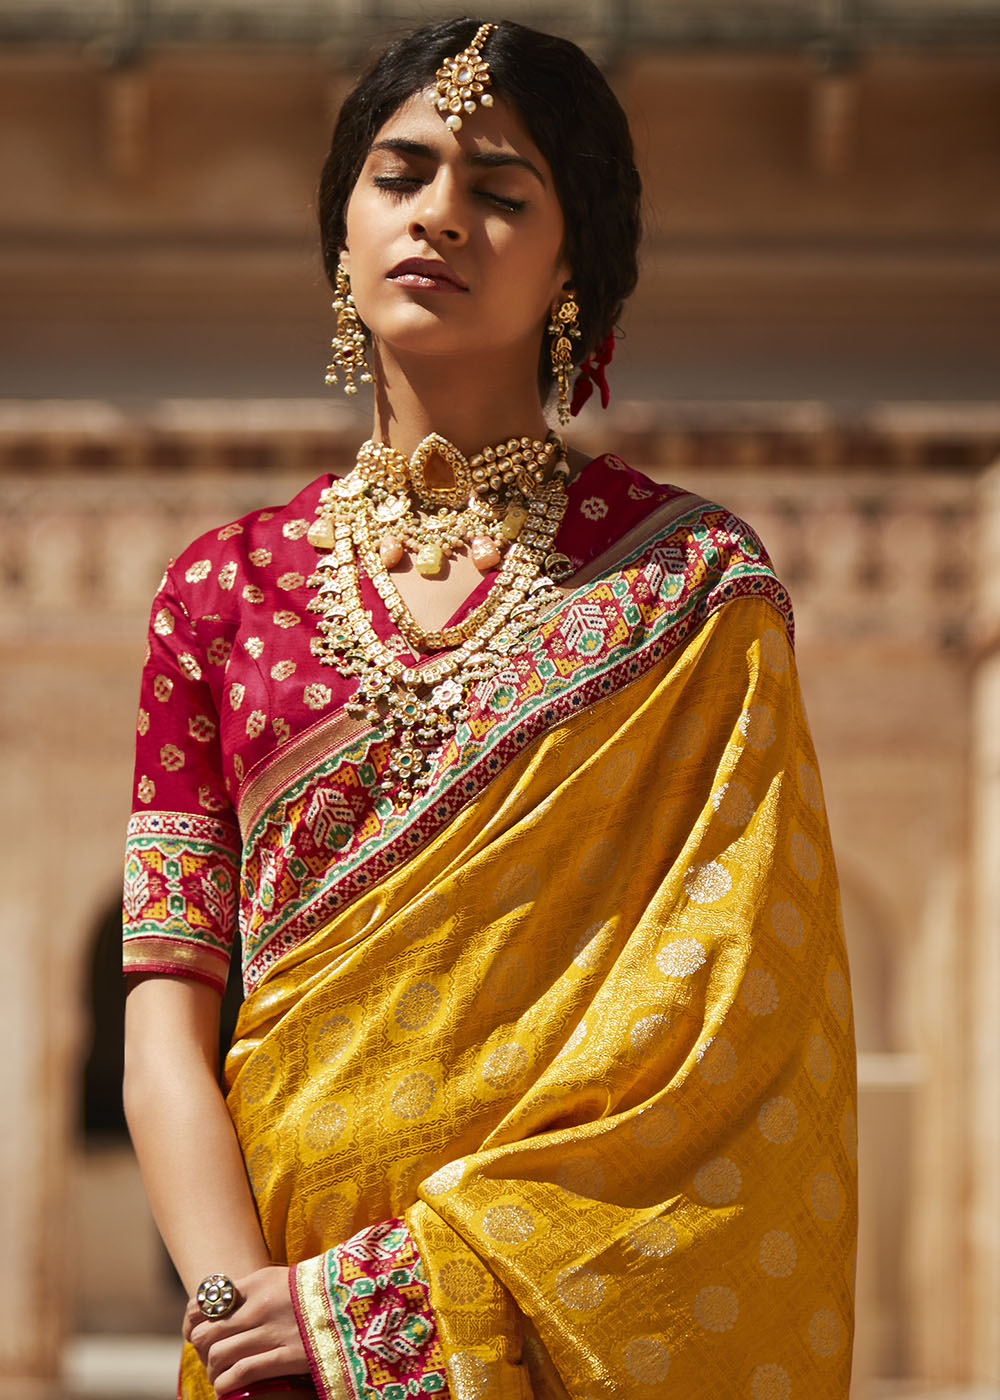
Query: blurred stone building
{"x": 816, "y": 341}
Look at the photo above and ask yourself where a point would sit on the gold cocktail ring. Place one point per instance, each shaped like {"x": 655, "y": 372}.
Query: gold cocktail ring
{"x": 217, "y": 1295}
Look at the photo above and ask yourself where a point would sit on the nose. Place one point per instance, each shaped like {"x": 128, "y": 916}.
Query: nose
{"x": 438, "y": 215}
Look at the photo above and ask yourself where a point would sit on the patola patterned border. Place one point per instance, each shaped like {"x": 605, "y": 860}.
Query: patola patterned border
{"x": 364, "y": 1313}
{"x": 322, "y": 843}
{"x": 180, "y": 896}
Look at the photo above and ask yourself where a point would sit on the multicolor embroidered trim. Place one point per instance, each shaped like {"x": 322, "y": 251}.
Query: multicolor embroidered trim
{"x": 180, "y": 898}
{"x": 325, "y": 841}
{"x": 364, "y": 1313}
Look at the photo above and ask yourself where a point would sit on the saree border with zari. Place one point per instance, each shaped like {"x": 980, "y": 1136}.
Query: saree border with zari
{"x": 312, "y": 839}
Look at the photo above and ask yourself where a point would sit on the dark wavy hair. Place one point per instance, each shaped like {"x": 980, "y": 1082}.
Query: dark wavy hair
{"x": 573, "y": 118}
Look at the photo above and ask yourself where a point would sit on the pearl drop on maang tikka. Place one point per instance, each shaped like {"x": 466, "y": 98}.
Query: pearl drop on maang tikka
{"x": 462, "y": 82}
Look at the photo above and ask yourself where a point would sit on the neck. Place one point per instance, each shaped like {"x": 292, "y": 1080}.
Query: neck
{"x": 472, "y": 405}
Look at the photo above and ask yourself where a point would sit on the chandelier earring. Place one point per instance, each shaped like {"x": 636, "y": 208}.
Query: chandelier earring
{"x": 347, "y": 349}
{"x": 564, "y": 328}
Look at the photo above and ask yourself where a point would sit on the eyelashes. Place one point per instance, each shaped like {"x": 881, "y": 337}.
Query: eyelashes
{"x": 513, "y": 206}
{"x": 396, "y": 185}
{"x": 400, "y": 186}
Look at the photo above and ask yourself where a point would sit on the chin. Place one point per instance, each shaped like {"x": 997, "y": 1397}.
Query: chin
{"x": 402, "y": 322}
{"x": 429, "y": 338}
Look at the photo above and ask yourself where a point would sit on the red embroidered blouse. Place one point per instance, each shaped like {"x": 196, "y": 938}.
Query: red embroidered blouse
{"x": 230, "y": 677}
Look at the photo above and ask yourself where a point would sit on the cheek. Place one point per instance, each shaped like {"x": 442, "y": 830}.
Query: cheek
{"x": 365, "y": 216}
{"x": 530, "y": 257}
{"x": 549, "y": 256}
{"x": 365, "y": 240}
{"x": 354, "y": 219}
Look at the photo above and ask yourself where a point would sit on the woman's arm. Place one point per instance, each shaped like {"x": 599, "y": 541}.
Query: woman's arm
{"x": 196, "y": 1181}
{"x": 183, "y": 1135}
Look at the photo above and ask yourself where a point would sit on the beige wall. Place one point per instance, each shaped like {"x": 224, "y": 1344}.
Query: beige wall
{"x": 805, "y": 240}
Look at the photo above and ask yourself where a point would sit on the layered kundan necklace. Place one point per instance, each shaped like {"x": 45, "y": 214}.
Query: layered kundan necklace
{"x": 505, "y": 505}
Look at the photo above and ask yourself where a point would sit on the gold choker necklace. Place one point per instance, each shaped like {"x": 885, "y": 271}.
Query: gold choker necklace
{"x": 518, "y": 492}
{"x": 483, "y": 506}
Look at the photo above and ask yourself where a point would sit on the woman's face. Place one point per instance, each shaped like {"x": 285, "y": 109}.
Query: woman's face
{"x": 455, "y": 239}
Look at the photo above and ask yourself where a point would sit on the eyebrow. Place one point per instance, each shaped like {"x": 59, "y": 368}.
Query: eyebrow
{"x": 488, "y": 160}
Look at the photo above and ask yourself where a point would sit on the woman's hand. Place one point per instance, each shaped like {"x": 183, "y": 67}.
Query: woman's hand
{"x": 256, "y": 1342}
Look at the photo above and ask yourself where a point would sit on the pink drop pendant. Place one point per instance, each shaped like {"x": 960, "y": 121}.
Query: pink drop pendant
{"x": 485, "y": 554}
{"x": 390, "y": 550}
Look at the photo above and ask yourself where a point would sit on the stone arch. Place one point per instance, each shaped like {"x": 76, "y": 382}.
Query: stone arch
{"x": 868, "y": 930}
{"x": 886, "y": 1122}
{"x": 99, "y": 1112}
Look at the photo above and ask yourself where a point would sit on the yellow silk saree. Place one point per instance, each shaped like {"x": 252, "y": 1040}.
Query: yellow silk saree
{"x": 554, "y": 1095}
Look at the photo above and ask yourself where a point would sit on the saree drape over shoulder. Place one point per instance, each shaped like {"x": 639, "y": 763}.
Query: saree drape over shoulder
{"x": 545, "y": 1086}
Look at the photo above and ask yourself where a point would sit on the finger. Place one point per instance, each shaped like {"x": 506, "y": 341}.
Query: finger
{"x": 239, "y": 1321}
{"x": 200, "y": 1329}
{"x": 222, "y": 1353}
{"x": 208, "y": 1332}
{"x": 250, "y": 1369}
{"x": 193, "y": 1317}
{"x": 219, "y": 1354}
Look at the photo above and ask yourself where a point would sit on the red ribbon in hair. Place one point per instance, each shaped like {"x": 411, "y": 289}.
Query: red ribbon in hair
{"x": 591, "y": 373}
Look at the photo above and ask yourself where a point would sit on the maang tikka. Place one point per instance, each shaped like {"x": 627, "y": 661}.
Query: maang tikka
{"x": 347, "y": 348}
{"x": 462, "y": 82}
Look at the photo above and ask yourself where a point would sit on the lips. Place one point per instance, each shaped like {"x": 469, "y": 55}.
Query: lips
{"x": 427, "y": 274}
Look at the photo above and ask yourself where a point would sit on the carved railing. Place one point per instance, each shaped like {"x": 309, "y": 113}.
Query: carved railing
{"x": 88, "y": 520}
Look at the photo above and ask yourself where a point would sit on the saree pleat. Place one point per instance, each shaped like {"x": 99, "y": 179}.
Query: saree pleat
{"x": 593, "y": 1044}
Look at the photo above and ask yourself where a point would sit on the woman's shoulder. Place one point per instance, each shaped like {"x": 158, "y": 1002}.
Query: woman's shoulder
{"x": 606, "y": 500}
{"x": 614, "y": 482}
{"x": 241, "y": 562}
{"x": 612, "y": 479}
{"x": 614, "y": 509}
{"x": 695, "y": 554}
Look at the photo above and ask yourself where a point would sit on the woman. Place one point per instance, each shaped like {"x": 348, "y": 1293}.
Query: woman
{"x": 543, "y": 1084}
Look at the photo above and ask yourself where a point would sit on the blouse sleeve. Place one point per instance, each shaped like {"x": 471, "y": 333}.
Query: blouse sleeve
{"x": 183, "y": 848}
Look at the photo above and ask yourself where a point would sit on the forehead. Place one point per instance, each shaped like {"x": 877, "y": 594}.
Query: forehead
{"x": 489, "y": 129}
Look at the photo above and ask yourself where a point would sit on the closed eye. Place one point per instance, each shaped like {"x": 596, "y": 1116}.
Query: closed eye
{"x": 503, "y": 201}
{"x": 399, "y": 186}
